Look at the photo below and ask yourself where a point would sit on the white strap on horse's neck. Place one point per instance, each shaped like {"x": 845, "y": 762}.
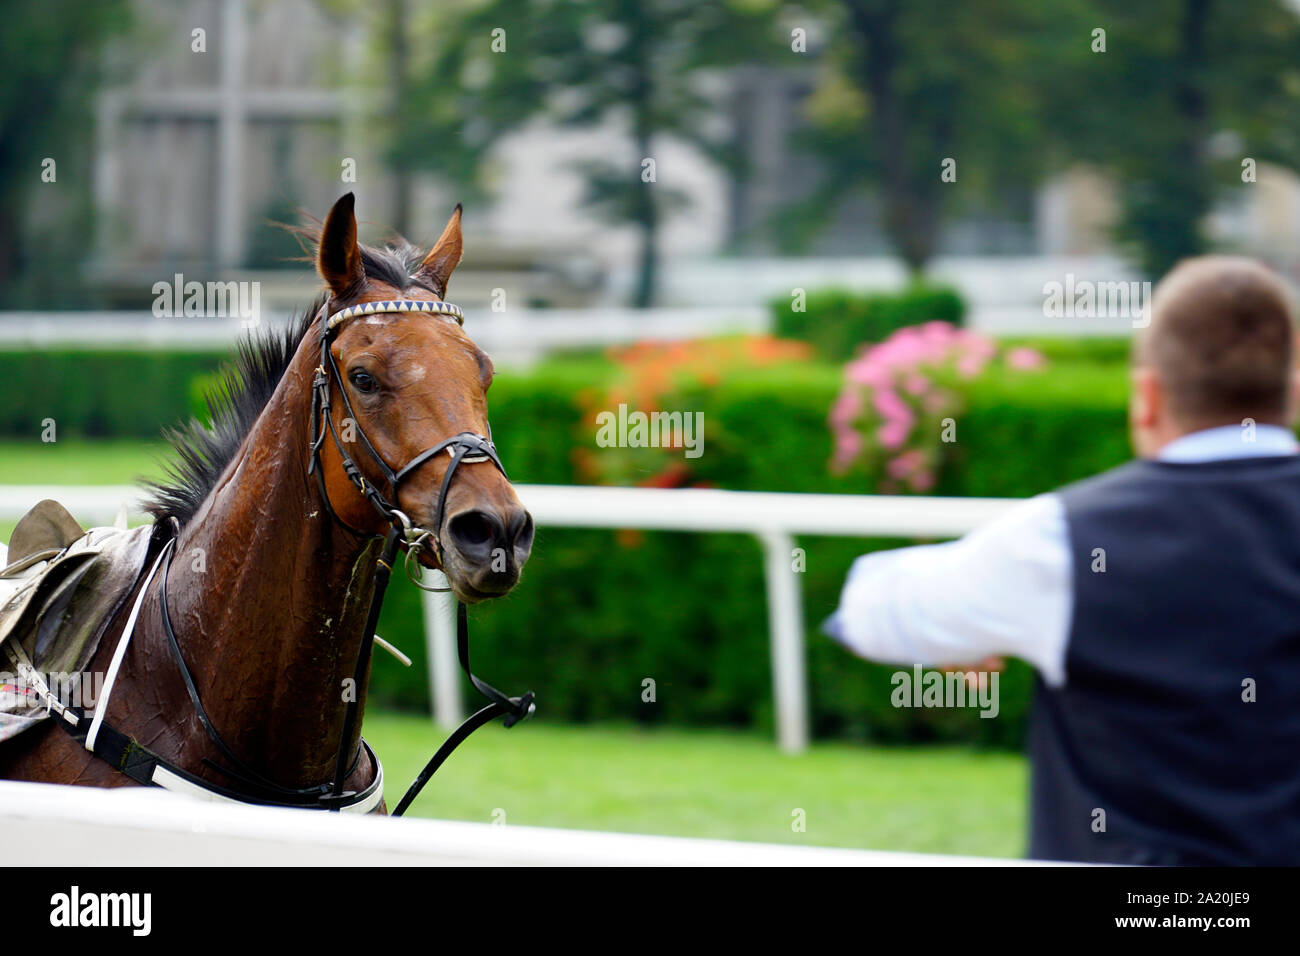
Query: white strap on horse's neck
{"x": 101, "y": 705}
{"x": 177, "y": 784}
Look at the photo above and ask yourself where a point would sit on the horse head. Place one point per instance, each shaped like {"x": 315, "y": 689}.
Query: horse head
{"x": 411, "y": 380}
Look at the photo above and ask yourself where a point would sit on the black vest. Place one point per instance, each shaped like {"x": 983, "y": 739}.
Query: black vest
{"x": 1200, "y": 598}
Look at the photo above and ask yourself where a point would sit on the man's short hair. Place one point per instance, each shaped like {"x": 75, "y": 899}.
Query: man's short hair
{"x": 1221, "y": 340}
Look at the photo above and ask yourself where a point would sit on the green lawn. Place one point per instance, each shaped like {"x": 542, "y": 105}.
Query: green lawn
{"x": 78, "y": 462}
{"x": 713, "y": 784}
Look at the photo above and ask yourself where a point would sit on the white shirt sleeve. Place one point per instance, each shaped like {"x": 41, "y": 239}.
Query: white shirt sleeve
{"x": 1005, "y": 588}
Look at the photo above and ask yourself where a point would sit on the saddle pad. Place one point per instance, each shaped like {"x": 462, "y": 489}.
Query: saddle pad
{"x": 55, "y": 606}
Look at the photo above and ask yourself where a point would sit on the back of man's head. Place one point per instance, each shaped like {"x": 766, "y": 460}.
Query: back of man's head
{"x": 1220, "y": 343}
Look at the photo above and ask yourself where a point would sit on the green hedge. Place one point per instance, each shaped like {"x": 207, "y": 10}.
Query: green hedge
{"x": 1099, "y": 350}
{"x": 596, "y": 614}
{"x": 837, "y": 321}
{"x": 98, "y": 394}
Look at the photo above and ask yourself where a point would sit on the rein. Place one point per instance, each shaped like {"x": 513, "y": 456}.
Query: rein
{"x": 146, "y": 767}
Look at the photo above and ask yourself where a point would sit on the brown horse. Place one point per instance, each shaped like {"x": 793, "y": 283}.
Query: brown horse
{"x": 273, "y": 570}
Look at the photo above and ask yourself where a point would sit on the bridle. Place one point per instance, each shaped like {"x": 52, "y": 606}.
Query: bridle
{"x": 148, "y": 768}
{"x": 464, "y": 448}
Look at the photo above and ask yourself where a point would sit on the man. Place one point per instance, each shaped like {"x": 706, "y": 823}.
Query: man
{"x": 1159, "y": 602}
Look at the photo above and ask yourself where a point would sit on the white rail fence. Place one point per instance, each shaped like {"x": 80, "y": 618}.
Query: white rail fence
{"x": 774, "y": 519}
{"x": 517, "y": 337}
{"x": 84, "y": 826}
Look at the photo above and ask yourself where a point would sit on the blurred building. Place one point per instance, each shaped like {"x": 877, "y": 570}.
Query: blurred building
{"x": 197, "y": 151}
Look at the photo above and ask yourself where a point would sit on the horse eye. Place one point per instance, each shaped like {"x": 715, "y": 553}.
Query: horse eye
{"x": 363, "y": 381}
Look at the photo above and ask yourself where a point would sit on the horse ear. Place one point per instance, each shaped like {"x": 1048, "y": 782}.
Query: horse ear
{"x": 444, "y": 256}
{"x": 338, "y": 259}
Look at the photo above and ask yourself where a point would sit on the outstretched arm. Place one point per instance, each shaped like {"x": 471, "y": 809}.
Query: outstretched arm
{"x": 1005, "y": 588}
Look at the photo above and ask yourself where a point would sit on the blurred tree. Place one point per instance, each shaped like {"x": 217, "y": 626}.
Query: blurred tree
{"x": 51, "y": 55}
{"x": 397, "y": 55}
{"x": 638, "y": 65}
{"x": 906, "y": 90}
{"x": 270, "y": 244}
{"x": 1185, "y": 90}
{"x": 1169, "y": 96}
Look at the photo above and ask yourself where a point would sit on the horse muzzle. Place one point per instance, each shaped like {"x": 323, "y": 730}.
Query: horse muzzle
{"x": 485, "y": 550}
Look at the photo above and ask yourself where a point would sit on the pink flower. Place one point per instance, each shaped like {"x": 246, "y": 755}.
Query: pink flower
{"x": 1025, "y": 359}
{"x": 937, "y": 401}
{"x": 870, "y": 372}
{"x": 893, "y": 433}
{"x": 971, "y": 364}
{"x": 846, "y": 408}
{"x": 890, "y": 405}
{"x": 939, "y": 339}
{"x": 848, "y": 445}
{"x": 905, "y": 347}
{"x": 897, "y": 380}
{"x": 906, "y": 463}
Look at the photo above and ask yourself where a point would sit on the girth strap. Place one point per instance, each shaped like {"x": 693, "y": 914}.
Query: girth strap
{"x": 148, "y": 769}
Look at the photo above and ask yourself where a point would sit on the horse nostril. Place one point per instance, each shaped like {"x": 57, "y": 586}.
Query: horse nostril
{"x": 521, "y": 532}
{"x": 476, "y": 531}
{"x": 502, "y": 540}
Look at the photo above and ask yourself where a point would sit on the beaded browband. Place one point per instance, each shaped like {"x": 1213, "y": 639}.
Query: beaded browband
{"x": 396, "y": 305}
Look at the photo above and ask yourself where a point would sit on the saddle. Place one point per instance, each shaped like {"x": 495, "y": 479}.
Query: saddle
{"x": 59, "y": 588}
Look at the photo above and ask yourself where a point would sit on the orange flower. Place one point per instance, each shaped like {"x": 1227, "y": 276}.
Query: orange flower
{"x": 654, "y": 375}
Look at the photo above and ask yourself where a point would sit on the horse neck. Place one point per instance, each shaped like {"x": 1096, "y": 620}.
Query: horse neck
{"x": 268, "y": 597}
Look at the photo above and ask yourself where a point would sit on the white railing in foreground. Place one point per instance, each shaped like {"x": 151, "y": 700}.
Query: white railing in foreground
{"x": 773, "y": 518}
{"x": 85, "y": 826}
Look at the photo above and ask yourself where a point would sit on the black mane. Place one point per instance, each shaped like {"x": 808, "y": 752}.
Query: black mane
{"x": 244, "y": 387}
